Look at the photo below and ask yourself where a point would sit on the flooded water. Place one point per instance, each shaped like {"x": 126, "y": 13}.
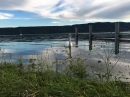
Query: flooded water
{"x": 49, "y": 49}
{"x": 27, "y": 50}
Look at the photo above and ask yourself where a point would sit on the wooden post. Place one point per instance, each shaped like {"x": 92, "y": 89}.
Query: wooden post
{"x": 117, "y": 37}
{"x": 76, "y": 36}
{"x": 90, "y": 37}
{"x": 70, "y": 45}
{"x": 26, "y": 93}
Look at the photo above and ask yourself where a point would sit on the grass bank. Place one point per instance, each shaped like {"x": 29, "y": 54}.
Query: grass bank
{"x": 15, "y": 81}
{"x": 39, "y": 79}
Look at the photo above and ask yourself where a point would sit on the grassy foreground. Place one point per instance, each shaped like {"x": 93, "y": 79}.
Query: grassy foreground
{"x": 16, "y": 81}
{"x": 39, "y": 79}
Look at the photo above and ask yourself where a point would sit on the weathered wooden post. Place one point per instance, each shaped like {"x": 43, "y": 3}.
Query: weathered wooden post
{"x": 117, "y": 37}
{"x": 26, "y": 93}
{"x": 70, "y": 45}
{"x": 90, "y": 37}
{"x": 76, "y": 36}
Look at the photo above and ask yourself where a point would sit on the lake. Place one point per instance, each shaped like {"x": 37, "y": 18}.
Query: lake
{"x": 49, "y": 49}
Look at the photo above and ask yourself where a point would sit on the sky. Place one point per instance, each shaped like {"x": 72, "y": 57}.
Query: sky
{"x": 15, "y": 13}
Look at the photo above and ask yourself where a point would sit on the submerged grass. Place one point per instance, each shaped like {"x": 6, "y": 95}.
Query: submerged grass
{"x": 40, "y": 80}
{"x": 15, "y": 82}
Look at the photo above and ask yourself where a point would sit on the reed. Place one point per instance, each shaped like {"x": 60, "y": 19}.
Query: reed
{"x": 40, "y": 80}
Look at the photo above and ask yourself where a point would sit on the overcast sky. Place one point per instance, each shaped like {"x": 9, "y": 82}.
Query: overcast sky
{"x": 62, "y": 12}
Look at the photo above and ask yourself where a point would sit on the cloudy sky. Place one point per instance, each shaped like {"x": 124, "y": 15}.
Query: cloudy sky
{"x": 62, "y": 12}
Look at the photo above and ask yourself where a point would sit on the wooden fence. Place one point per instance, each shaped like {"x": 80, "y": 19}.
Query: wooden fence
{"x": 116, "y": 37}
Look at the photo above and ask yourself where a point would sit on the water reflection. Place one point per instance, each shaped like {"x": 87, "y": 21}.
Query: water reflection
{"x": 49, "y": 50}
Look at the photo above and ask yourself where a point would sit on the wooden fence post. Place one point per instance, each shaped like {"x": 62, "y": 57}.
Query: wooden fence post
{"x": 117, "y": 37}
{"x": 70, "y": 45}
{"x": 26, "y": 93}
{"x": 76, "y": 36}
{"x": 90, "y": 37}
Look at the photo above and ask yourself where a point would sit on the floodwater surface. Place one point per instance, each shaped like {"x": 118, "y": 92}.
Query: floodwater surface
{"x": 49, "y": 50}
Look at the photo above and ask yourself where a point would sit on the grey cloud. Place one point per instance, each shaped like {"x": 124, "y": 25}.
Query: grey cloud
{"x": 6, "y": 4}
{"x": 57, "y": 7}
{"x": 59, "y": 3}
{"x": 109, "y": 11}
{"x": 88, "y": 7}
{"x": 115, "y": 12}
{"x": 83, "y": 11}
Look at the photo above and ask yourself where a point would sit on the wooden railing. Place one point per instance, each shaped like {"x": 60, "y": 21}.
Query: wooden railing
{"x": 116, "y": 37}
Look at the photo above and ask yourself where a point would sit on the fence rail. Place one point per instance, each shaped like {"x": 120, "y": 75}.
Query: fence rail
{"x": 117, "y": 37}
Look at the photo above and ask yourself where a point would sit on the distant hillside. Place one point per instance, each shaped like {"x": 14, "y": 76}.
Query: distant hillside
{"x": 97, "y": 27}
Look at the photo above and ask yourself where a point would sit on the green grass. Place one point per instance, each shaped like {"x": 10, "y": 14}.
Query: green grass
{"x": 41, "y": 80}
{"x": 14, "y": 81}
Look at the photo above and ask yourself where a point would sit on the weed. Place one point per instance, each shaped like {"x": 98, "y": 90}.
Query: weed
{"x": 41, "y": 80}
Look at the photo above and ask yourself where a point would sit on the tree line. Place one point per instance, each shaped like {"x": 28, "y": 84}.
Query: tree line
{"x": 97, "y": 27}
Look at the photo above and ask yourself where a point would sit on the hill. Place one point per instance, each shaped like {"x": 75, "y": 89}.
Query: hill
{"x": 97, "y": 27}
